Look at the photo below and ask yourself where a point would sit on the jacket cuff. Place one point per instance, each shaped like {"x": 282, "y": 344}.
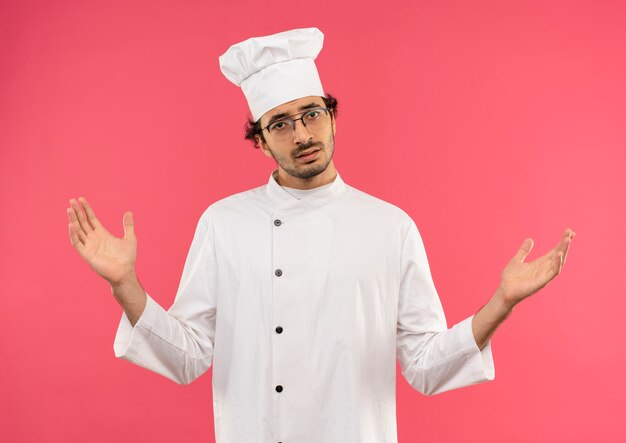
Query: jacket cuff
{"x": 479, "y": 361}
{"x": 128, "y": 339}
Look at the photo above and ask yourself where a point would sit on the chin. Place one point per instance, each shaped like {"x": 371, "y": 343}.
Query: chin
{"x": 307, "y": 171}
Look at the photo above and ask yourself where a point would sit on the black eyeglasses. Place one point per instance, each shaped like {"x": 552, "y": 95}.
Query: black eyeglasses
{"x": 285, "y": 127}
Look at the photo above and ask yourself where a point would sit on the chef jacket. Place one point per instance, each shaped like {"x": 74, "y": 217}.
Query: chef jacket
{"x": 302, "y": 306}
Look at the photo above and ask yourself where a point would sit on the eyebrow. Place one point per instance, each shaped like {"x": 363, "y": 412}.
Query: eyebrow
{"x": 301, "y": 108}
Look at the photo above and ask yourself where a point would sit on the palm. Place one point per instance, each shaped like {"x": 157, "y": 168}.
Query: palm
{"x": 111, "y": 257}
{"x": 520, "y": 279}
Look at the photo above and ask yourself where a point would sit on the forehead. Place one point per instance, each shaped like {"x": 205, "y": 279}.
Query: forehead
{"x": 291, "y": 107}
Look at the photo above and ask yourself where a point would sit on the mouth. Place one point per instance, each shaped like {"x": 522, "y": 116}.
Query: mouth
{"x": 308, "y": 154}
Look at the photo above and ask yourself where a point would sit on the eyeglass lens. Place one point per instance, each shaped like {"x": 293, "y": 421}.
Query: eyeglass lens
{"x": 312, "y": 119}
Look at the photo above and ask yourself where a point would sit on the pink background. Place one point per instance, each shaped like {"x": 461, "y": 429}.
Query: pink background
{"x": 487, "y": 121}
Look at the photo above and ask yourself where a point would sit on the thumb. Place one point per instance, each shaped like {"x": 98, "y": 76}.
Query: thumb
{"x": 129, "y": 225}
{"x": 524, "y": 250}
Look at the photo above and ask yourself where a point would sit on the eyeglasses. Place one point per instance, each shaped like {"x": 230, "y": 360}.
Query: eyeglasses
{"x": 284, "y": 128}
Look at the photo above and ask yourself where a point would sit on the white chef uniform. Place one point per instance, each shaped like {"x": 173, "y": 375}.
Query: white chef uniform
{"x": 302, "y": 304}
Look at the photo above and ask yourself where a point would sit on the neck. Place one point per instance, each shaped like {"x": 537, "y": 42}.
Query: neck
{"x": 328, "y": 176}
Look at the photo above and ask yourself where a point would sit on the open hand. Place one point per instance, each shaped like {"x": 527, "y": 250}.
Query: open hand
{"x": 111, "y": 257}
{"x": 520, "y": 279}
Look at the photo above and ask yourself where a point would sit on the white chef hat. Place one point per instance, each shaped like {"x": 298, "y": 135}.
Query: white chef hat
{"x": 275, "y": 69}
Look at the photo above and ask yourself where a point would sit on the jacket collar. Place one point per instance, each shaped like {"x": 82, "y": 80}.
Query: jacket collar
{"x": 284, "y": 200}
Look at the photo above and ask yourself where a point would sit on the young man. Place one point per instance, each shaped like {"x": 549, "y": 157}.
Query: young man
{"x": 302, "y": 293}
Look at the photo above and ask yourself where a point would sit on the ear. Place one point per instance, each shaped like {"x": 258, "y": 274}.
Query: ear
{"x": 334, "y": 121}
{"x": 261, "y": 144}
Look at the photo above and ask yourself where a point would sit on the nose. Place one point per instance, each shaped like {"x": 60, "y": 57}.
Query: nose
{"x": 301, "y": 133}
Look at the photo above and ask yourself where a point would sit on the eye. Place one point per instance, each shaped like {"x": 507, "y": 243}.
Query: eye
{"x": 313, "y": 115}
{"x": 279, "y": 126}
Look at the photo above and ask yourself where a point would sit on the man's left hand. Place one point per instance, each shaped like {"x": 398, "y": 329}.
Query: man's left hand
{"x": 521, "y": 279}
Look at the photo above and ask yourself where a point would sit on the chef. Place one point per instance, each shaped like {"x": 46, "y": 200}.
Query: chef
{"x": 302, "y": 293}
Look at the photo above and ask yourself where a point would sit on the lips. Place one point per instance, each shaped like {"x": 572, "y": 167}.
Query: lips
{"x": 308, "y": 152}
{"x": 309, "y": 156}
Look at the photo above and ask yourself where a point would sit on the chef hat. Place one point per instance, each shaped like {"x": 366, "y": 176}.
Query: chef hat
{"x": 275, "y": 69}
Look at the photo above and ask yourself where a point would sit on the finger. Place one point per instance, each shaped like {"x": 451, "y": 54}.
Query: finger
{"x": 82, "y": 221}
{"x": 81, "y": 236}
{"x": 563, "y": 245}
{"x": 72, "y": 216}
{"x": 71, "y": 213}
{"x": 560, "y": 262}
{"x": 73, "y": 229}
{"x": 84, "y": 218}
{"x": 129, "y": 225}
{"x": 75, "y": 239}
{"x": 91, "y": 216}
{"x": 568, "y": 242}
{"x": 524, "y": 250}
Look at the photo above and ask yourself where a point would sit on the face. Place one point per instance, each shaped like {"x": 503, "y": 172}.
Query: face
{"x": 307, "y": 153}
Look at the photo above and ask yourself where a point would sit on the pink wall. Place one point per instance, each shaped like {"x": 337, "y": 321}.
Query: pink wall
{"x": 490, "y": 121}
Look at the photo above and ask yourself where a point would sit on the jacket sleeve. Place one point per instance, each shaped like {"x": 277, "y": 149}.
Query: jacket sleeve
{"x": 178, "y": 343}
{"x": 433, "y": 358}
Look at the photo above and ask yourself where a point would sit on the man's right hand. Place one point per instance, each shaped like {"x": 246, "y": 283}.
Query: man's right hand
{"x": 112, "y": 258}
